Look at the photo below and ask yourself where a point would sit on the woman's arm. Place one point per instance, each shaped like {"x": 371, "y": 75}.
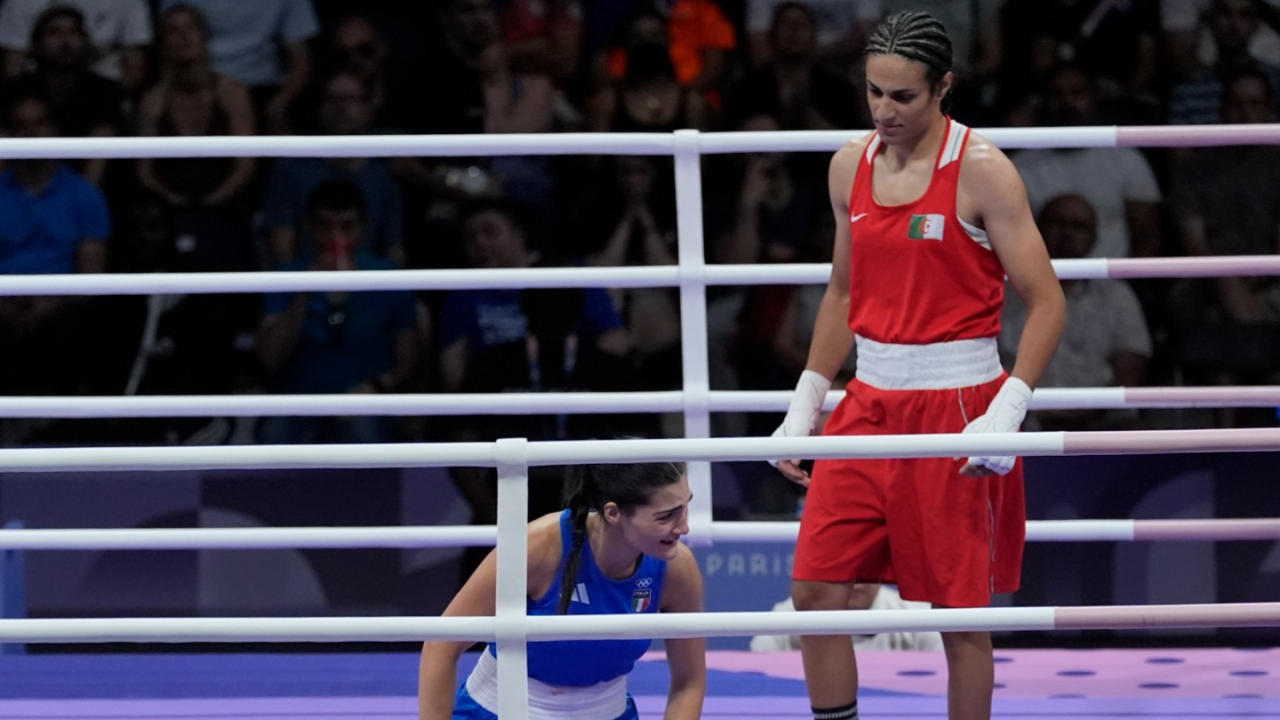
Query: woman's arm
{"x": 656, "y": 251}
{"x": 788, "y": 350}
{"x": 1000, "y": 200}
{"x": 148, "y": 126}
{"x": 279, "y": 333}
{"x": 453, "y": 364}
{"x": 527, "y": 111}
{"x": 614, "y": 252}
{"x": 235, "y": 98}
{"x": 438, "y": 664}
{"x": 295, "y": 81}
{"x": 991, "y": 189}
{"x": 686, "y": 657}
{"x": 832, "y": 339}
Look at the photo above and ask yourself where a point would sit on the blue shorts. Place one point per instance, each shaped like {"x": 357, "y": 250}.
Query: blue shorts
{"x": 465, "y": 708}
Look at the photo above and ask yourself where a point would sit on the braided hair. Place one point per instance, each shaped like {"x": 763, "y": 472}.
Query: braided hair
{"x": 917, "y": 36}
{"x": 591, "y": 487}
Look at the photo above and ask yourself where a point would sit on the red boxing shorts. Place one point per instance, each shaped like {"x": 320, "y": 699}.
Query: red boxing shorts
{"x": 940, "y": 536}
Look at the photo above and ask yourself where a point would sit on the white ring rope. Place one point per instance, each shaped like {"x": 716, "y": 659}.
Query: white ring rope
{"x": 285, "y": 538}
{"x": 647, "y": 625}
{"x": 604, "y": 143}
{"x": 572, "y": 277}
{"x": 347, "y": 404}
{"x": 401, "y": 455}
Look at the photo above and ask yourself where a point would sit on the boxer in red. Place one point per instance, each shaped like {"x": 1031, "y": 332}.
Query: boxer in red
{"x": 930, "y": 219}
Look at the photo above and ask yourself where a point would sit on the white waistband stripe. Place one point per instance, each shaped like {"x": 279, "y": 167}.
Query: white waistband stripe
{"x": 936, "y": 366}
{"x": 551, "y": 702}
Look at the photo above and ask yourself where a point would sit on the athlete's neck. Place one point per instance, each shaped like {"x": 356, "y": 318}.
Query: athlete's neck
{"x": 615, "y": 556}
{"x": 925, "y": 148}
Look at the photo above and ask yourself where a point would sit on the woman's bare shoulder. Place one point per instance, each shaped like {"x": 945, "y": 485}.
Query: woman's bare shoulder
{"x": 844, "y": 163}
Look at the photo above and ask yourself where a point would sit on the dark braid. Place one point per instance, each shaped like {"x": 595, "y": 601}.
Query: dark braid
{"x": 577, "y": 493}
{"x": 915, "y": 36}
{"x": 590, "y": 487}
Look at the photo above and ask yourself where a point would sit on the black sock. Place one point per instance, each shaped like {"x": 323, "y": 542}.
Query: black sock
{"x": 844, "y": 712}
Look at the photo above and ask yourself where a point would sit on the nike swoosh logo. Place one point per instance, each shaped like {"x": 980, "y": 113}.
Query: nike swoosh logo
{"x": 856, "y": 218}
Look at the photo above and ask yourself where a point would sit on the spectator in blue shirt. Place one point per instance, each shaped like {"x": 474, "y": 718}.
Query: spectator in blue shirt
{"x": 337, "y": 342}
{"x": 523, "y": 340}
{"x": 51, "y": 221}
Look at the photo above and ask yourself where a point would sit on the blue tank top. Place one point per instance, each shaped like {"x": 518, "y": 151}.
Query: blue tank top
{"x": 578, "y": 663}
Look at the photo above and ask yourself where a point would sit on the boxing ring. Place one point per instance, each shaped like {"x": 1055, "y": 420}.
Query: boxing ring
{"x": 1203, "y": 683}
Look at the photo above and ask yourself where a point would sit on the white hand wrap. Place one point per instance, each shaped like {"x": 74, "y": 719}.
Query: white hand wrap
{"x": 806, "y": 405}
{"x": 1005, "y": 415}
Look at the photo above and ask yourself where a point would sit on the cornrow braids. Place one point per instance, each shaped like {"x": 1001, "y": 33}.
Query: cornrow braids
{"x": 916, "y": 36}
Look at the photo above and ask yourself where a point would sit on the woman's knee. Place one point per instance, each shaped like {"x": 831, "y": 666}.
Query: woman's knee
{"x": 813, "y": 595}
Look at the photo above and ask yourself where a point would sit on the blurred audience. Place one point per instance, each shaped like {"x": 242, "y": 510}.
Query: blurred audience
{"x": 480, "y": 76}
{"x": 638, "y": 87}
{"x": 354, "y": 46}
{"x": 768, "y": 213}
{"x": 473, "y": 90}
{"x": 118, "y": 32}
{"x": 263, "y": 44}
{"x": 543, "y": 36}
{"x": 792, "y": 85}
{"x": 1225, "y": 203}
{"x": 841, "y": 30}
{"x": 764, "y": 210}
{"x": 1233, "y": 24}
{"x": 701, "y": 39}
{"x": 176, "y": 344}
{"x": 1114, "y": 43}
{"x": 632, "y": 222}
{"x": 1118, "y": 182}
{"x": 1189, "y": 42}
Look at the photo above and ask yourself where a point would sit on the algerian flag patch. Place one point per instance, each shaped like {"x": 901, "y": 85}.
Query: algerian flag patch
{"x": 925, "y": 227}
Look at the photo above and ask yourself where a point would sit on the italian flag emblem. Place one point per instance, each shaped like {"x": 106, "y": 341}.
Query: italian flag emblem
{"x": 925, "y": 227}
{"x": 640, "y": 600}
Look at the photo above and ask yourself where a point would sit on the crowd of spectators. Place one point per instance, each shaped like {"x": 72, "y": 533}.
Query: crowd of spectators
{"x": 333, "y": 67}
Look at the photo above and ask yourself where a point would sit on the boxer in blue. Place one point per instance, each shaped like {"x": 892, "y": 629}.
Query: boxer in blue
{"x": 615, "y": 549}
